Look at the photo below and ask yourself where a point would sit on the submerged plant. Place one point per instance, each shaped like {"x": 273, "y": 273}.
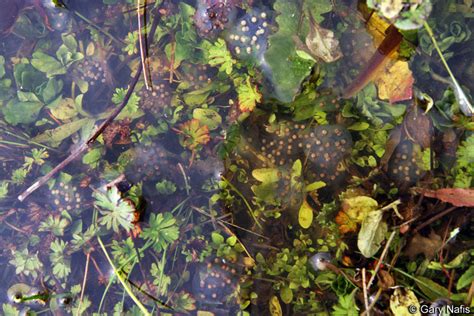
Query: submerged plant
{"x": 115, "y": 210}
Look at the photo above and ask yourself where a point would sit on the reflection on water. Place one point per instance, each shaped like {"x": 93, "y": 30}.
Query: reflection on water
{"x": 199, "y": 188}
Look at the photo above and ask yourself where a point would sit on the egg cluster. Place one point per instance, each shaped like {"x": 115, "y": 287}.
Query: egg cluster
{"x": 91, "y": 71}
{"x": 212, "y": 16}
{"x": 67, "y": 197}
{"x": 156, "y": 99}
{"x": 248, "y": 39}
{"x": 214, "y": 282}
{"x": 149, "y": 162}
{"x": 404, "y": 165}
{"x": 320, "y": 148}
{"x": 196, "y": 76}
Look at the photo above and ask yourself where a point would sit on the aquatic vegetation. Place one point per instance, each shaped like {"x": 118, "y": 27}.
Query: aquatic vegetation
{"x": 211, "y": 165}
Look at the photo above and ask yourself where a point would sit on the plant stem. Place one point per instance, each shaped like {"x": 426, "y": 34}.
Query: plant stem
{"x": 122, "y": 280}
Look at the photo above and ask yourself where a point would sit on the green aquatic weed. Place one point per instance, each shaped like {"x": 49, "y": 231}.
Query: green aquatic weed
{"x": 59, "y": 258}
{"x": 162, "y": 230}
{"x": 54, "y": 224}
{"x": 115, "y": 210}
{"x": 26, "y": 263}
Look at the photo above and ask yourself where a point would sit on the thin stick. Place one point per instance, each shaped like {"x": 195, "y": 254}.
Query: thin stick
{"x": 434, "y": 218}
{"x": 86, "y": 272}
{"x": 122, "y": 280}
{"x": 141, "y": 42}
{"x": 382, "y": 257}
{"x": 186, "y": 184}
{"x": 364, "y": 289}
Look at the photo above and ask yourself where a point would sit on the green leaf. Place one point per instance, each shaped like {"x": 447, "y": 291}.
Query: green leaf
{"x": 372, "y": 233}
{"x": 165, "y": 187}
{"x": 305, "y": 215}
{"x": 208, "y": 117}
{"x": 286, "y": 69}
{"x": 219, "y": 56}
{"x": 162, "y": 230}
{"x": 314, "y": 186}
{"x": 248, "y": 95}
{"x": 359, "y": 126}
{"x": 65, "y": 109}
{"x": 115, "y": 210}
{"x": 286, "y": 295}
{"x": 92, "y": 158}
{"x": 17, "y": 112}
{"x": 231, "y": 241}
{"x": 466, "y": 278}
{"x": 9, "y": 310}
{"x": 51, "y": 90}
{"x": 431, "y": 289}
{"x": 217, "y": 238}
{"x": 47, "y": 64}
{"x": 2, "y": 66}
{"x": 267, "y": 175}
{"x": 55, "y": 136}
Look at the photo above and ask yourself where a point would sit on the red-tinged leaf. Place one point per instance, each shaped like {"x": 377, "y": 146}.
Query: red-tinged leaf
{"x": 193, "y": 134}
{"x": 457, "y": 197}
{"x": 248, "y": 96}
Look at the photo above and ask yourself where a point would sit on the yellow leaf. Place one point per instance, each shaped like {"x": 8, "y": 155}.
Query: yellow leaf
{"x": 274, "y": 306}
{"x": 305, "y": 215}
{"x": 395, "y": 82}
{"x": 403, "y": 302}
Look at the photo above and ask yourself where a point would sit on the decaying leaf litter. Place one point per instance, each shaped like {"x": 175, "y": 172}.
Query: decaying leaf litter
{"x": 239, "y": 157}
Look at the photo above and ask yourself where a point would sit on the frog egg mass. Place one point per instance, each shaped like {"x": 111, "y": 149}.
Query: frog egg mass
{"x": 213, "y": 282}
{"x": 248, "y": 38}
{"x": 404, "y": 165}
{"x": 321, "y": 148}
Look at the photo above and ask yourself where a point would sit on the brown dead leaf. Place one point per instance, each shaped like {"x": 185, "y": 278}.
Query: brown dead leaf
{"x": 395, "y": 82}
{"x": 428, "y": 246}
{"x": 455, "y": 196}
{"x": 321, "y": 42}
{"x": 386, "y": 280}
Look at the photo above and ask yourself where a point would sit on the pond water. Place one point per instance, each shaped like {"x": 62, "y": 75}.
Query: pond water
{"x": 235, "y": 157}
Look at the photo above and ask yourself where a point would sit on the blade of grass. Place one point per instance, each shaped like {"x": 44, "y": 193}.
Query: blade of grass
{"x": 464, "y": 103}
{"x": 122, "y": 280}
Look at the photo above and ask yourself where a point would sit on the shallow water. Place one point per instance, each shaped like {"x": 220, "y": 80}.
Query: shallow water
{"x": 197, "y": 189}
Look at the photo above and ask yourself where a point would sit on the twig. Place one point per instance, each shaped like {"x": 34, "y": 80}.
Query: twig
{"x": 98, "y": 28}
{"x": 86, "y": 270}
{"x": 82, "y": 148}
{"x": 382, "y": 257}
{"x": 186, "y": 184}
{"x": 142, "y": 43}
{"x": 434, "y": 218}
{"x": 364, "y": 290}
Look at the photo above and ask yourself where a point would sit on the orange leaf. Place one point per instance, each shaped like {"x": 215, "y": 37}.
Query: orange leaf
{"x": 395, "y": 82}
